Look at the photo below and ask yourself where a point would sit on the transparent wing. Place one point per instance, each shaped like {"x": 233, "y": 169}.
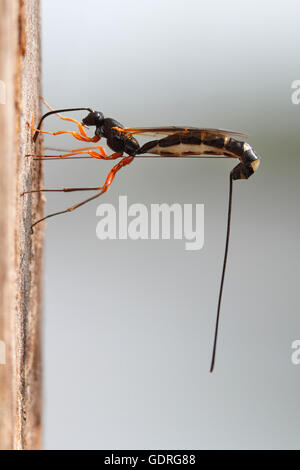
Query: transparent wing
{"x": 169, "y": 130}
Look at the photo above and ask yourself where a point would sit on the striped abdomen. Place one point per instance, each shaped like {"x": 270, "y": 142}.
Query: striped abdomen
{"x": 204, "y": 143}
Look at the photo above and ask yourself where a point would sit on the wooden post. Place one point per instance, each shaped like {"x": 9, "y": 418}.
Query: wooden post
{"x": 20, "y": 251}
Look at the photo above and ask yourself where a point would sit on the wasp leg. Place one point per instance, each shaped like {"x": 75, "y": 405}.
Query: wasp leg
{"x": 109, "y": 179}
{"x": 64, "y": 190}
{"x": 64, "y": 118}
{"x": 100, "y": 156}
{"x": 74, "y": 134}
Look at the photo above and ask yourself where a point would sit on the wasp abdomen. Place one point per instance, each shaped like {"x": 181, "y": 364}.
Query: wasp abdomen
{"x": 235, "y": 147}
{"x": 249, "y": 159}
{"x": 214, "y": 141}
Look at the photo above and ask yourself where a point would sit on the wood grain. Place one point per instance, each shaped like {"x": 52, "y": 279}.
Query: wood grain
{"x": 20, "y": 251}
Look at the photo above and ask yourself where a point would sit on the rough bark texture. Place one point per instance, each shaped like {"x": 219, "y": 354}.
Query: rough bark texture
{"x": 20, "y": 251}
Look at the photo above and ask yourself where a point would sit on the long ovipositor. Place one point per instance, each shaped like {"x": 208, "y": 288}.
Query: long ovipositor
{"x": 206, "y": 143}
{"x": 179, "y": 141}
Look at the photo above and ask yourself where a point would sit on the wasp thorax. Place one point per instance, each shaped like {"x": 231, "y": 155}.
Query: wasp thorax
{"x": 95, "y": 118}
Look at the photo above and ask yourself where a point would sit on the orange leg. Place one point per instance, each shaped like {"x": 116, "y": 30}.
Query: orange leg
{"x": 109, "y": 179}
{"x": 64, "y": 118}
{"x": 74, "y": 134}
{"x": 102, "y": 155}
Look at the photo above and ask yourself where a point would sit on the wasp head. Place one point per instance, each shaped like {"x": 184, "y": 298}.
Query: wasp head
{"x": 95, "y": 118}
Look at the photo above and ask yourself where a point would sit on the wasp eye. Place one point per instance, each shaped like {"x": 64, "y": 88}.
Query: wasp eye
{"x": 95, "y": 118}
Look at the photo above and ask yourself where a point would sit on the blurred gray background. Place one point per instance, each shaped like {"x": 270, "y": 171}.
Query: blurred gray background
{"x": 129, "y": 325}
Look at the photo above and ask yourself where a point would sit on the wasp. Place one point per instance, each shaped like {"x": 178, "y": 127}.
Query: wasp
{"x": 183, "y": 142}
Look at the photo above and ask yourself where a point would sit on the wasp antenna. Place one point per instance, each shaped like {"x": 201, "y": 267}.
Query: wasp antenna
{"x": 223, "y": 275}
{"x": 55, "y": 111}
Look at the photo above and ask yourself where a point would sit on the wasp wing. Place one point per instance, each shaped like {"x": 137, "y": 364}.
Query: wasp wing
{"x": 169, "y": 130}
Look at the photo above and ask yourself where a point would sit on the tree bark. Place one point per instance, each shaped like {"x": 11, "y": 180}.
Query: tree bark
{"x": 20, "y": 251}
